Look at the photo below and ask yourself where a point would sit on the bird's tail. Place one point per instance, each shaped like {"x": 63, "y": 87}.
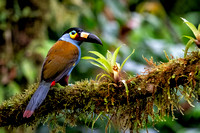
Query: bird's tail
{"x": 37, "y": 98}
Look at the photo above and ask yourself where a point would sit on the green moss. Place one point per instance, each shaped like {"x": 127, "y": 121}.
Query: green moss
{"x": 151, "y": 97}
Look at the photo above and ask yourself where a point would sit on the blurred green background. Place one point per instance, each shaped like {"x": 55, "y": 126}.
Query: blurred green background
{"x": 29, "y": 28}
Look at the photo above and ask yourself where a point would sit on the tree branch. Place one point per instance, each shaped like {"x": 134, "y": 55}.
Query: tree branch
{"x": 157, "y": 87}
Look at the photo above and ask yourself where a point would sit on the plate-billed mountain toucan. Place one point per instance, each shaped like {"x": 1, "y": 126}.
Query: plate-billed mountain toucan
{"x": 63, "y": 56}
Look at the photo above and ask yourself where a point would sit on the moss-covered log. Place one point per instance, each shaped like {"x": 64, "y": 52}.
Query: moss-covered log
{"x": 158, "y": 87}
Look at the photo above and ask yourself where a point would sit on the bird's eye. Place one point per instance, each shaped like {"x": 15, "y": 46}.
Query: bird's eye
{"x": 73, "y": 34}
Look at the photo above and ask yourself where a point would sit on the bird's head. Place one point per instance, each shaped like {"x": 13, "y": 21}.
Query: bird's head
{"x": 79, "y": 36}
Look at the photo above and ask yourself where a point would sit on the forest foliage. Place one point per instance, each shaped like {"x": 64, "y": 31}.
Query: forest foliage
{"x": 29, "y": 28}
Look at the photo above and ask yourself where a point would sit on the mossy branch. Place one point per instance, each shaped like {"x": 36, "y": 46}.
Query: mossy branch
{"x": 158, "y": 87}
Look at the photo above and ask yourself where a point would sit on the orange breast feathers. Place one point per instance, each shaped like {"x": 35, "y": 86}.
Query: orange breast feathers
{"x": 60, "y": 59}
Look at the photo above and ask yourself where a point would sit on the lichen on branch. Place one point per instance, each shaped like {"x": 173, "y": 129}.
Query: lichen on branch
{"x": 153, "y": 94}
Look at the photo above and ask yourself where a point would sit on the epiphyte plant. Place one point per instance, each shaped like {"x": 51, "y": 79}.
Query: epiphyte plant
{"x": 108, "y": 63}
{"x": 196, "y": 33}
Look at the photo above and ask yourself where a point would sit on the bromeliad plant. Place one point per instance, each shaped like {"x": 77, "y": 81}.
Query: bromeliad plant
{"x": 108, "y": 64}
{"x": 196, "y": 33}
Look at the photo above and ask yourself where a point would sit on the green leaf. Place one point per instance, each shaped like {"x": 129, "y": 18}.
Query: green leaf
{"x": 188, "y": 45}
{"x": 114, "y": 57}
{"x": 199, "y": 28}
{"x": 100, "y": 66}
{"x": 126, "y": 60}
{"x": 105, "y": 63}
{"x": 189, "y": 37}
{"x": 98, "y": 54}
{"x": 96, "y": 119}
{"x": 98, "y": 76}
{"x": 192, "y": 27}
{"x": 109, "y": 56}
{"x": 101, "y": 61}
{"x": 88, "y": 58}
{"x": 104, "y": 75}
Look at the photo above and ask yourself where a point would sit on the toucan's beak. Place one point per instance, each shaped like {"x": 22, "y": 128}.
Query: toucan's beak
{"x": 89, "y": 37}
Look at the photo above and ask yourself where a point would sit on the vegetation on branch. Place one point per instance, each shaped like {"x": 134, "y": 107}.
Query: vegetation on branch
{"x": 108, "y": 64}
{"x": 196, "y": 33}
{"x": 28, "y": 29}
{"x": 153, "y": 94}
